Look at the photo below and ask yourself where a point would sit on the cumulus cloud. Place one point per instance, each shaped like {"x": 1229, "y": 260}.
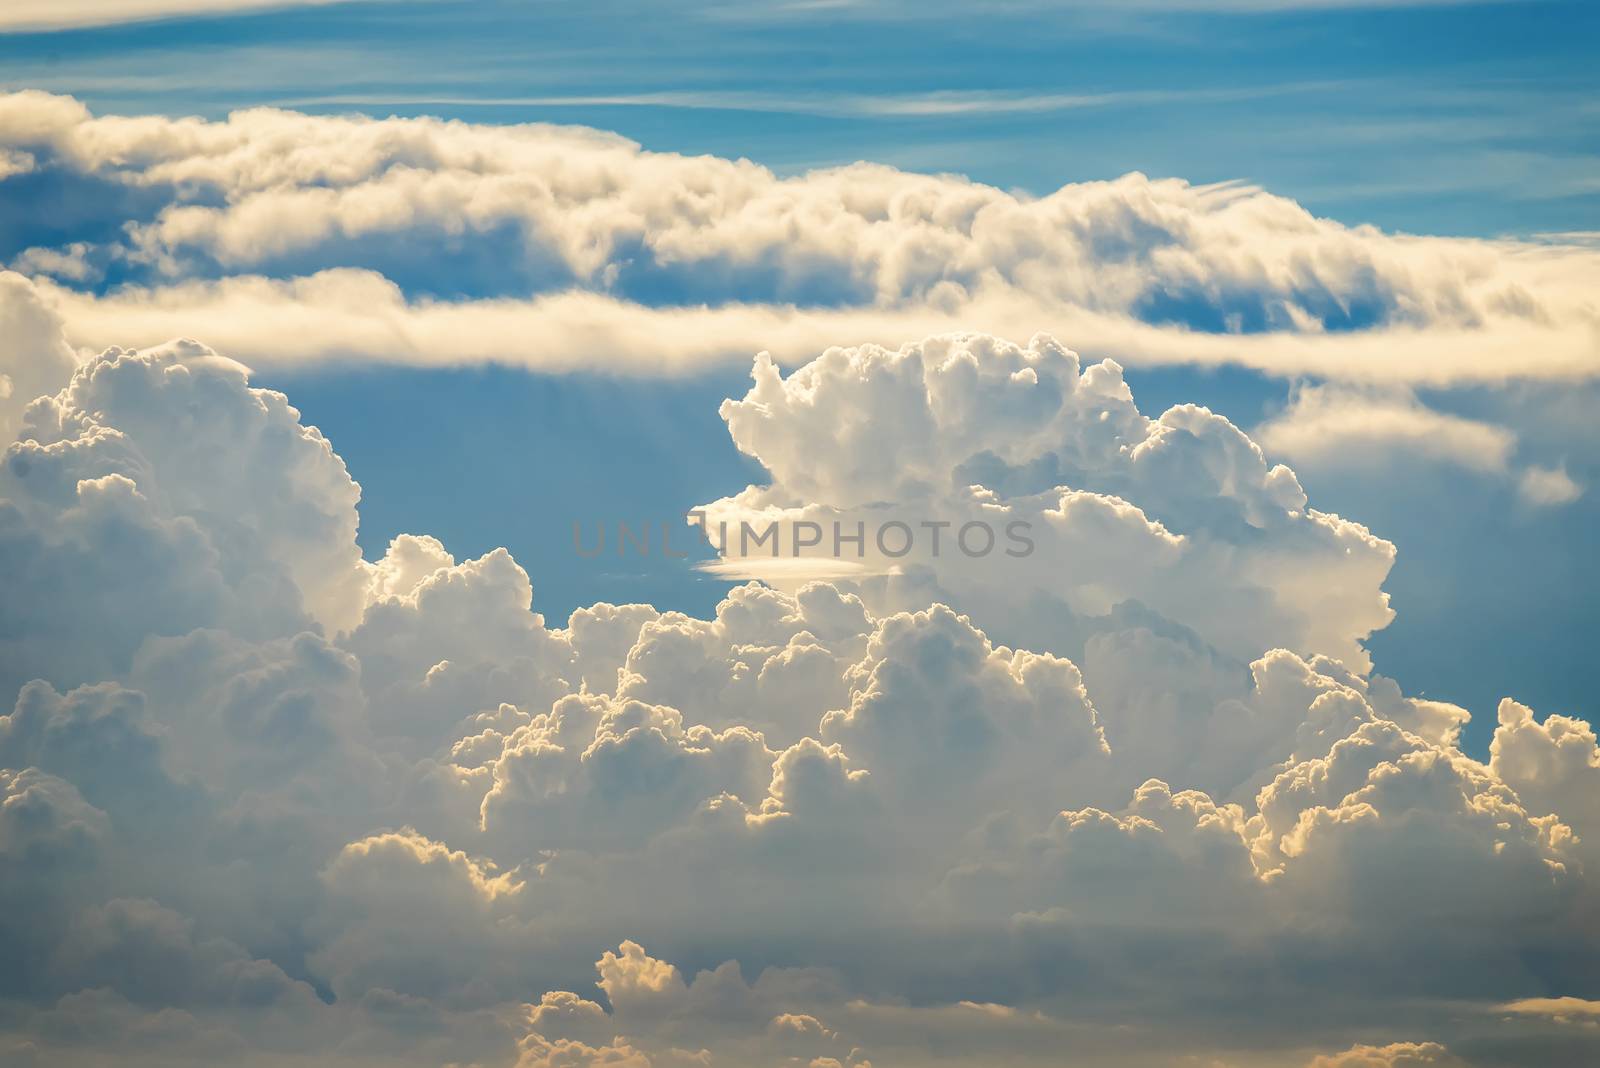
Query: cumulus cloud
{"x": 1033, "y": 491}
{"x": 34, "y": 356}
{"x": 172, "y": 496}
{"x": 416, "y": 240}
{"x": 266, "y": 802}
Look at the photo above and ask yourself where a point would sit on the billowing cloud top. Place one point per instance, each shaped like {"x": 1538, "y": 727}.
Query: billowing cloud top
{"x": 424, "y": 240}
{"x": 264, "y": 802}
{"x": 1034, "y": 492}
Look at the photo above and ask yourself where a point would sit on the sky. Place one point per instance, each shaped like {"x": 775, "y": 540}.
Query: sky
{"x": 1433, "y": 118}
{"x": 1475, "y": 120}
{"x": 331, "y": 332}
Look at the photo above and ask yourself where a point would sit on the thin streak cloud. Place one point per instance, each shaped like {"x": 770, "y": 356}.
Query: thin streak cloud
{"x": 937, "y": 104}
{"x": 31, "y": 16}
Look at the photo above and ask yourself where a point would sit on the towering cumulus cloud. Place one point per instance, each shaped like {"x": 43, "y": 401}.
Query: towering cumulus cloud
{"x": 1139, "y": 800}
{"x": 285, "y": 237}
{"x": 1014, "y": 479}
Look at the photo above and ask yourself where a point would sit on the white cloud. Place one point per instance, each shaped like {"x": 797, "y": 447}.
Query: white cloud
{"x": 1091, "y": 505}
{"x": 1554, "y": 766}
{"x": 171, "y": 495}
{"x": 414, "y": 240}
{"x": 22, "y": 16}
{"x": 1548, "y": 486}
{"x": 234, "y": 831}
{"x": 1562, "y": 1010}
{"x": 1394, "y": 1055}
{"x": 34, "y": 356}
{"x": 1327, "y": 426}
{"x": 1338, "y": 427}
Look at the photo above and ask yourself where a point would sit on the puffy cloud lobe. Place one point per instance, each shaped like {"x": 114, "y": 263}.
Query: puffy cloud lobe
{"x": 1554, "y": 766}
{"x": 1173, "y": 709}
{"x": 45, "y": 816}
{"x": 1394, "y": 1055}
{"x": 256, "y": 714}
{"x": 952, "y": 723}
{"x": 768, "y": 661}
{"x": 440, "y": 641}
{"x": 657, "y": 1017}
{"x": 408, "y": 915}
{"x": 34, "y": 356}
{"x": 1010, "y": 468}
{"x": 51, "y": 845}
{"x": 368, "y": 234}
{"x": 170, "y": 495}
{"x": 626, "y": 771}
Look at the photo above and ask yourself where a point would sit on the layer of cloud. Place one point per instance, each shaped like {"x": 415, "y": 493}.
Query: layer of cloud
{"x": 415, "y": 240}
{"x": 1367, "y": 431}
{"x": 1351, "y": 428}
{"x": 34, "y": 15}
{"x": 267, "y": 803}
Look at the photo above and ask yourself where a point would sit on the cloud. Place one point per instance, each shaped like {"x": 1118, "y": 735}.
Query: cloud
{"x": 408, "y": 915}
{"x": 1041, "y": 475}
{"x": 657, "y": 1016}
{"x": 1394, "y": 1055}
{"x": 932, "y": 105}
{"x": 1553, "y": 765}
{"x": 1548, "y": 486}
{"x": 1352, "y": 429}
{"x": 1327, "y": 426}
{"x": 34, "y": 356}
{"x": 170, "y": 495}
{"x": 267, "y": 802}
{"x": 420, "y": 241}
{"x": 1562, "y": 1010}
{"x": 28, "y": 16}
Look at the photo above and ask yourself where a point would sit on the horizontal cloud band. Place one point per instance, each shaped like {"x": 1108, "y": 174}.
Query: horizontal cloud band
{"x": 415, "y": 240}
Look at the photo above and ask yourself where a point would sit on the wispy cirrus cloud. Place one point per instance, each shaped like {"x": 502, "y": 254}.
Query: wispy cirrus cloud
{"x": 936, "y": 104}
